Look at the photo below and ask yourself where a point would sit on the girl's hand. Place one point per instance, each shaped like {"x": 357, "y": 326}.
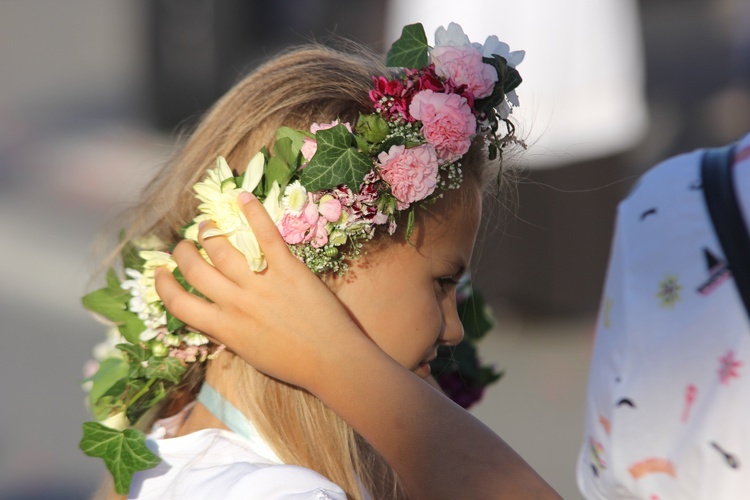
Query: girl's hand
{"x": 279, "y": 320}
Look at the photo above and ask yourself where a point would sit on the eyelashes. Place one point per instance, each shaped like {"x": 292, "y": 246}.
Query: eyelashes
{"x": 447, "y": 283}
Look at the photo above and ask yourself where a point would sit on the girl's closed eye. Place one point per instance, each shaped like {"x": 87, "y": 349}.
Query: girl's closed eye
{"x": 448, "y": 283}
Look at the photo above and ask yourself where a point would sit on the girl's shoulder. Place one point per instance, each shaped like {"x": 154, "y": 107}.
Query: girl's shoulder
{"x": 214, "y": 463}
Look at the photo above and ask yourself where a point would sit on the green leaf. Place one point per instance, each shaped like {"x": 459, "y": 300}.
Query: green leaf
{"x": 487, "y": 375}
{"x": 410, "y": 226}
{"x": 335, "y": 162}
{"x": 392, "y": 141}
{"x": 147, "y": 396}
{"x": 113, "y": 282}
{"x": 136, "y": 356}
{"x": 409, "y": 51}
{"x": 284, "y": 149}
{"x": 167, "y": 368}
{"x": 277, "y": 170}
{"x": 124, "y": 452}
{"x": 187, "y": 286}
{"x": 173, "y": 322}
{"x": 296, "y": 136}
{"x": 130, "y": 256}
{"x": 131, "y": 327}
{"x": 362, "y": 144}
{"x": 110, "y": 371}
{"x": 372, "y": 127}
{"x": 109, "y": 302}
{"x": 475, "y": 315}
{"x": 508, "y": 79}
{"x": 109, "y": 405}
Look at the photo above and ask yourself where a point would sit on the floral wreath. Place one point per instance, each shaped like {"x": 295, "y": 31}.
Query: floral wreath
{"x": 329, "y": 190}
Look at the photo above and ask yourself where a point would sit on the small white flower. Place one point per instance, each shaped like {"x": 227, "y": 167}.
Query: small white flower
{"x": 454, "y": 35}
{"x": 148, "y": 334}
{"x": 149, "y": 242}
{"x": 295, "y": 198}
{"x": 494, "y": 46}
{"x": 194, "y": 338}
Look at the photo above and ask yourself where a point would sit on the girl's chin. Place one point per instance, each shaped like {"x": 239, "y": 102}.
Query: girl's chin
{"x": 423, "y": 370}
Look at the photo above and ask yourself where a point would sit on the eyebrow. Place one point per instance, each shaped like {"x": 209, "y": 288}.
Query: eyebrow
{"x": 458, "y": 266}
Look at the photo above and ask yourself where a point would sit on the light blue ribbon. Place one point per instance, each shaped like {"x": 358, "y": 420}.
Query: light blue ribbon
{"x": 234, "y": 419}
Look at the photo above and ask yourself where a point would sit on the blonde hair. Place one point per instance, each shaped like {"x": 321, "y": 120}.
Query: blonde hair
{"x": 301, "y": 86}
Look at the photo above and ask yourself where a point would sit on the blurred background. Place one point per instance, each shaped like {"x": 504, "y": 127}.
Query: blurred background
{"x": 92, "y": 92}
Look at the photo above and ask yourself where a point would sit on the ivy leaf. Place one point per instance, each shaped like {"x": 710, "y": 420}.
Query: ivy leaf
{"x": 335, "y": 162}
{"x": 166, "y": 368}
{"x": 124, "y": 452}
{"x": 409, "y": 51}
{"x": 137, "y": 356}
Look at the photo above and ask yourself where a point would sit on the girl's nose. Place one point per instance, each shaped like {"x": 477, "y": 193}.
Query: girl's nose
{"x": 453, "y": 329}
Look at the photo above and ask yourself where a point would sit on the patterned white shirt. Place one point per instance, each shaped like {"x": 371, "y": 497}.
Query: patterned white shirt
{"x": 668, "y": 407}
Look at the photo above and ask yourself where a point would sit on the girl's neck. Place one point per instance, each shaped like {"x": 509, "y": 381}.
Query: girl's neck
{"x": 200, "y": 417}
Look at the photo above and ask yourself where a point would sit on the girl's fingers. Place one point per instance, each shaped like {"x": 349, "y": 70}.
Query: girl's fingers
{"x": 191, "y": 309}
{"x": 201, "y": 275}
{"x": 225, "y": 257}
{"x": 268, "y": 235}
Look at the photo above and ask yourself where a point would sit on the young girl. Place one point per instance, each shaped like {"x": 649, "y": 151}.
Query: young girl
{"x": 382, "y": 200}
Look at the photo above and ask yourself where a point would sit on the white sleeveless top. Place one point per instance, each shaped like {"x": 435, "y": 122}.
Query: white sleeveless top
{"x": 219, "y": 464}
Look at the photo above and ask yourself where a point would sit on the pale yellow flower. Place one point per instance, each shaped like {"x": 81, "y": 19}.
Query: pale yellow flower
{"x": 219, "y": 194}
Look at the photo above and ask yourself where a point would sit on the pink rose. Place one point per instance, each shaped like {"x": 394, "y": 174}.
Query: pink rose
{"x": 411, "y": 172}
{"x": 447, "y": 122}
{"x": 309, "y": 146}
{"x": 463, "y": 65}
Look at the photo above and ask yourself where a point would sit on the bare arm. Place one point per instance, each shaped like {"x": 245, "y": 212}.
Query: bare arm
{"x": 285, "y": 322}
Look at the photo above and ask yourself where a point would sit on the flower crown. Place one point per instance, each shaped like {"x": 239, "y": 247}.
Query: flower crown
{"x": 329, "y": 190}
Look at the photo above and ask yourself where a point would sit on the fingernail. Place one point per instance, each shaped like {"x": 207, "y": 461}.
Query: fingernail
{"x": 246, "y": 197}
{"x": 157, "y": 271}
{"x": 202, "y": 224}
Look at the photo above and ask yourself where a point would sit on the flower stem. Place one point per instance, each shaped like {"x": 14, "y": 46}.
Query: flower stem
{"x": 142, "y": 391}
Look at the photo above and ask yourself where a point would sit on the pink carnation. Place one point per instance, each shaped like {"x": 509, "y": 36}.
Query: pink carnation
{"x": 411, "y": 172}
{"x": 463, "y": 65}
{"x": 447, "y": 122}
{"x": 309, "y": 146}
{"x": 310, "y": 225}
{"x": 293, "y": 228}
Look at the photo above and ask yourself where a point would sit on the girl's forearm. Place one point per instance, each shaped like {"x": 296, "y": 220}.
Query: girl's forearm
{"x": 438, "y": 449}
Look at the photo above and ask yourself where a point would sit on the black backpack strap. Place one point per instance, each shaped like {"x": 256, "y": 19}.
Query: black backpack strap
{"x": 721, "y": 199}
